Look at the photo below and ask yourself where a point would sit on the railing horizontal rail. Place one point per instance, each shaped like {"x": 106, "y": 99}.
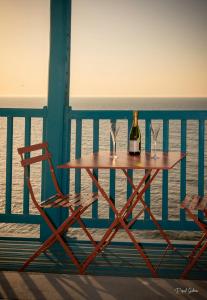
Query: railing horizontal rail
{"x": 20, "y": 218}
{"x": 126, "y": 114}
{"x": 142, "y": 224}
{"x": 23, "y": 112}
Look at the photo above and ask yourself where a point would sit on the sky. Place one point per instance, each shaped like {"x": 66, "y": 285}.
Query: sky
{"x": 127, "y": 48}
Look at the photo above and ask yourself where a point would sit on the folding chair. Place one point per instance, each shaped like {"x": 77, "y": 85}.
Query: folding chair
{"x": 193, "y": 204}
{"x": 77, "y": 203}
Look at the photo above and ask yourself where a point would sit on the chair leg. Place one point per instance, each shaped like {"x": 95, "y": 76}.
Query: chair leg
{"x": 82, "y": 225}
{"x": 56, "y": 236}
{"x": 41, "y": 249}
{"x": 193, "y": 257}
{"x": 193, "y": 261}
{"x": 51, "y": 240}
{"x": 198, "y": 245}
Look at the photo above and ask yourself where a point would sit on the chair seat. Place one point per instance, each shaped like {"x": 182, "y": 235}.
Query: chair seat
{"x": 195, "y": 202}
{"x": 72, "y": 200}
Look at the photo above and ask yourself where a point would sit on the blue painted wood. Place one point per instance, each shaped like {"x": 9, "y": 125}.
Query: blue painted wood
{"x": 165, "y": 172}
{"x": 22, "y": 112}
{"x": 112, "y": 181}
{"x": 27, "y": 142}
{"x": 95, "y": 172}
{"x": 117, "y": 261}
{"x": 9, "y": 153}
{"x": 142, "y": 224}
{"x": 126, "y": 114}
{"x": 147, "y": 135}
{"x": 44, "y": 128}
{"x": 183, "y": 167}
{"x": 20, "y": 218}
{"x": 69, "y": 150}
{"x": 94, "y": 115}
{"x": 58, "y": 91}
{"x": 66, "y": 152}
{"x": 104, "y": 223}
{"x": 201, "y": 160}
{"x": 65, "y": 158}
{"x": 148, "y": 148}
{"x": 78, "y": 154}
{"x": 130, "y": 172}
{"x": 201, "y": 157}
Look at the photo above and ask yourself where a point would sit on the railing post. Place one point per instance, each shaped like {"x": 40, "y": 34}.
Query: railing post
{"x": 58, "y": 95}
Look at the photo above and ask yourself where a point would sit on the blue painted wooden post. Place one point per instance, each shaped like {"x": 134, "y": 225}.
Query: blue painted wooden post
{"x": 148, "y": 149}
{"x": 95, "y": 172}
{"x": 27, "y": 141}
{"x": 112, "y": 180}
{"x": 183, "y": 167}
{"x": 9, "y": 154}
{"x": 78, "y": 149}
{"x": 130, "y": 172}
{"x": 165, "y": 173}
{"x": 58, "y": 91}
{"x": 66, "y": 152}
{"x": 201, "y": 160}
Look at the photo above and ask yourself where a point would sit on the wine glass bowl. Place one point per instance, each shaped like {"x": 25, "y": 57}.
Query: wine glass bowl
{"x": 114, "y": 132}
{"x": 155, "y": 131}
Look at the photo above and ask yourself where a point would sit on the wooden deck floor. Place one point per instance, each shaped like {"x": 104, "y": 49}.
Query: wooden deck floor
{"x": 118, "y": 259}
{"x": 45, "y": 286}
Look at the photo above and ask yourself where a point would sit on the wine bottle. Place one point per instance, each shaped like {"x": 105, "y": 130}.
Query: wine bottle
{"x": 135, "y": 136}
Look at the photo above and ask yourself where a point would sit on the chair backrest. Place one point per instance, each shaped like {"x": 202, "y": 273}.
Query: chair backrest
{"x": 27, "y": 160}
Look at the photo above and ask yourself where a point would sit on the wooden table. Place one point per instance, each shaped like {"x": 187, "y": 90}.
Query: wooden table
{"x": 124, "y": 162}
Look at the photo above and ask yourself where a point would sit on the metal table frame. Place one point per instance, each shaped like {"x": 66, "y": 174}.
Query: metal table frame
{"x": 125, "y": 162}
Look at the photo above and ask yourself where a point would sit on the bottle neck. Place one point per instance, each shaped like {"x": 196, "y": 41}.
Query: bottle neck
{"x": 135, "y": 120}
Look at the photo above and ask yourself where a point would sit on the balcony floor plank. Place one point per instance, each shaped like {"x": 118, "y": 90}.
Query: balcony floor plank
{"x": 118, "y": 259}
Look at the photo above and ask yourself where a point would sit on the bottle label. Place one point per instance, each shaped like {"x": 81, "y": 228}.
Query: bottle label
{"x": 134, "y": 146}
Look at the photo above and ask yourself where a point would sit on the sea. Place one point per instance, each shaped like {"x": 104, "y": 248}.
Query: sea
{"x": 107, "y": 103}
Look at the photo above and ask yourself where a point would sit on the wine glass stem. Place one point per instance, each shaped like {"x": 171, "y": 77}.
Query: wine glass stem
{"x": 155, "y": 148}
{"x": 114, "y": 148}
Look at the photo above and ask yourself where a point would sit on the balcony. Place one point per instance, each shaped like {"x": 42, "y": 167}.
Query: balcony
{"x": 88, "y": 131}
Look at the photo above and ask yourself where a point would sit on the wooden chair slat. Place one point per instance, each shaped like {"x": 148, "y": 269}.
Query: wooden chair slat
{"x": 74, "y": 200}
{"x": 52, "y": 201}
{"x": 86, "y": 199}
{"x": 32, "y": 160}
{"x": 32, "y": 148}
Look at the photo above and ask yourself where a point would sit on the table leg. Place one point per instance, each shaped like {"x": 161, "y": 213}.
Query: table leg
{"x": 119, "y": 220}
{"x": 132, "y": 205}
{"x": 162, "y": 232}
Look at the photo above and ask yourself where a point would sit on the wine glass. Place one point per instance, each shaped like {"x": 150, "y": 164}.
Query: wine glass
{"x": 114, "y": 131}
{"x": 155, "y": 131}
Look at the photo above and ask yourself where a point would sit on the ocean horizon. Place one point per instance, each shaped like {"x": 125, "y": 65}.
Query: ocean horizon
{"x": 108, "y": 103}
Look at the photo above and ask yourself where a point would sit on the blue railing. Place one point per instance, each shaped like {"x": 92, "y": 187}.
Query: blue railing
{"x": 7, "y": 119}
{"x": 91, "y": 128}
{"x": 165, "y": 117}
